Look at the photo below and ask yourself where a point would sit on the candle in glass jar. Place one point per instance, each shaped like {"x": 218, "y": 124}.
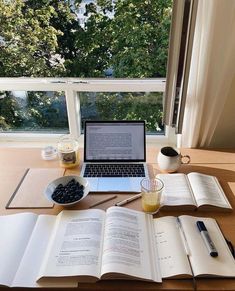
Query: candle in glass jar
{"x": 68, "y": 152}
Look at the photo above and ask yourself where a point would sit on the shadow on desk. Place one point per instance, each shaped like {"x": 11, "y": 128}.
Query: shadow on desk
{"x": 169, "y": 285}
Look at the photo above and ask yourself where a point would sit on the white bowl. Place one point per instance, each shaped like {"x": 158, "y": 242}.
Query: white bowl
{"x": 64, "y": 181}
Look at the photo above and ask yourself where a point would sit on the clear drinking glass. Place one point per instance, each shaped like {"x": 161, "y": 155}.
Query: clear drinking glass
{"x": 151, "y": 192}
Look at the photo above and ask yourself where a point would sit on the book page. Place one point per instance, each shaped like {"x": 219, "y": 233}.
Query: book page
{"x": 15, "y": 232}
{"x": 207, "y": 190}
{"x": 201, "y": 261}
{"x": 28, "y": 270}
{"x": 177, "y": 190}
{"x": 171, "y": 249}
{"x": 75, "y": 246}
{"x": 26, "y": 275}
{"x": 128, "y": 246}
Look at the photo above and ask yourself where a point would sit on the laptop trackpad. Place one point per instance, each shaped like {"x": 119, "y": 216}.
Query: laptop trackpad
{"x": 114, "y": 184}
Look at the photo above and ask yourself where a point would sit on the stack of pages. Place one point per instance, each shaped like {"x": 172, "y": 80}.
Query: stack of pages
{"x": 89, "y": 245}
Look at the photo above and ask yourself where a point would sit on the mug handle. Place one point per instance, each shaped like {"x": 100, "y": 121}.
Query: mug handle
{"x": 187, "y": 157}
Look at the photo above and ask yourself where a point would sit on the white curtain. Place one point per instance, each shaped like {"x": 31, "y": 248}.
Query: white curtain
{"x": 212, "y": 71}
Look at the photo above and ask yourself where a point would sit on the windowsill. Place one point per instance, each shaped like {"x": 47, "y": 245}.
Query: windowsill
{"x": 30, "y": 141}
{"x": 150, "y": 141}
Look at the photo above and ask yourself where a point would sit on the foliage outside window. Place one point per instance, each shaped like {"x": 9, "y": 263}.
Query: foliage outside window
{"x": 119, "y": 39}
{"x": 22, "y": 111}
{"x": 124, "y": 106}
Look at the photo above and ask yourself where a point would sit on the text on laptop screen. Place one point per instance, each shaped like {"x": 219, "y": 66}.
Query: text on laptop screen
{"x": 115, "y": 141}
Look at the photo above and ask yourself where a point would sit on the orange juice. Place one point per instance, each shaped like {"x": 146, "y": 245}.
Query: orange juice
{"x": 150, "y": 202}
{"x": 151, "y": 190}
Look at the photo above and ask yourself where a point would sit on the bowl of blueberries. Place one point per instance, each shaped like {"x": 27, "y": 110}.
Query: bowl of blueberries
{"x": 67, "y": 190}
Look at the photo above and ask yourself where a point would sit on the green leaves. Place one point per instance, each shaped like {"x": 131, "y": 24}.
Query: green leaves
{"x": 124, "y": 106}
{"x": 123, "y": 38}
{"x": 29, "y": 40}
{"x": 44, "y": 38}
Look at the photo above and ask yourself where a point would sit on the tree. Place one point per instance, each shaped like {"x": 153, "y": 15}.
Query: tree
{"x": 93, "y": 45}
{"x": 140, "y": 38}
{"x": 124, "y": 106}
{"x": 10, "y": 112}
{"x": 37, "y": 111}
{"x": 44, "y": 39}
{"x": 33, "y": 44}
{"x": 63, "y": 20}
{"x": 28, "y": 41}
{"x": 133, "y": 41}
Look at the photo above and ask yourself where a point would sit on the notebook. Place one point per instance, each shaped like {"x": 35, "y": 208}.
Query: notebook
{"x": 114, "y": 155}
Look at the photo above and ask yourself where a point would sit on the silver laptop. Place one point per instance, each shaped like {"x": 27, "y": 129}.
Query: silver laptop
{"x": 114, "y": 155}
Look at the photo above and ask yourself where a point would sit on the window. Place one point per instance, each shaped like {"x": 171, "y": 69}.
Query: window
{"x": 33, "y": 111}
{"x": 124, "y": 106}
{"x": 121, "y": 45}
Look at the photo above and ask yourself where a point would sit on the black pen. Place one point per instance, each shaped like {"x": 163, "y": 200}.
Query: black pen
{"x": 207, "y": 239}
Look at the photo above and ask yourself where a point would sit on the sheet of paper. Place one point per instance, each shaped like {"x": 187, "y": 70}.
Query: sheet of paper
{"x": 30, "y": 194}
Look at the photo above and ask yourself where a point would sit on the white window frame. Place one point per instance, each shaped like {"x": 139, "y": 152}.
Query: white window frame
{"x": 72, "y": 86}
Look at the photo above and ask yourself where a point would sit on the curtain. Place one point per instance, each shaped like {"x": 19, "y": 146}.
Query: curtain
{"x": 212, "y": 71}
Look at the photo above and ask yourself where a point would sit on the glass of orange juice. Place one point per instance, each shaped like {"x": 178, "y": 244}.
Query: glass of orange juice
{"x": 151, "y": 192}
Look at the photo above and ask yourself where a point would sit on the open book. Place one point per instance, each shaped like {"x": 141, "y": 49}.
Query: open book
{"x": 76, "y": 246}
{"x": 193, "y": 191}
{"x": 89, "y": 245}
{"x": 182, "y": 252}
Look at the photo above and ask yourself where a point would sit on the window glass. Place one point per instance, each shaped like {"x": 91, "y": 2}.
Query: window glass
{"x": 29, "y": 111}
{"x": 124, "y": 106}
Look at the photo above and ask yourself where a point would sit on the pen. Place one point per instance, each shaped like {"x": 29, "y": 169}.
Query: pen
{"x": 103, "y": 201}
{"x": 183, "y": 236}
{"x": 207, "y": 239}
{"x": 120, "y": 203}
{"x": 186, "y": 247}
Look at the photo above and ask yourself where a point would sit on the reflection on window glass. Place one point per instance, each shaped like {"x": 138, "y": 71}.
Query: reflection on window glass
{"x": 28, "y": 111}
{"x": 124, "y": 106}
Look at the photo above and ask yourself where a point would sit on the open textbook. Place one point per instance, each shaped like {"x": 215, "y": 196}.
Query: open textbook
{"x": 193, "y": 191}
{"x": 89, "y": 245}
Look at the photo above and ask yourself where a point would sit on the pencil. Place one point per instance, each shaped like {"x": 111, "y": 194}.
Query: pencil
{"x": 123, "y": 202}
{"x": 103, "y": 201}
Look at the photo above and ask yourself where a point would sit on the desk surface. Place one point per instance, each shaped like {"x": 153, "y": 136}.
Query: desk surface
{"x": 220, "y": 163}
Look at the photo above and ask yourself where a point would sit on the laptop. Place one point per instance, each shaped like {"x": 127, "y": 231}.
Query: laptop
{"x": 114, "y": 155}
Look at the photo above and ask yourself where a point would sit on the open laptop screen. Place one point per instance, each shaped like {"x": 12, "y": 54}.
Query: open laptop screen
{"x": 114, "y": 141}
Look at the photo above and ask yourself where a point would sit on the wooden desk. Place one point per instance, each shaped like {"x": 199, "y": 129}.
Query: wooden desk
{"x": 219, "y": 163}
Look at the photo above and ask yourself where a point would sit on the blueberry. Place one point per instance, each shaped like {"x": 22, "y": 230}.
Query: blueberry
{"x": 71, "y": 192}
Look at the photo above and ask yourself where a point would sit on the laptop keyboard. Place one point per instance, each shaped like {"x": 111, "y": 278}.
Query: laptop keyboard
{"x": 114, "y": 170}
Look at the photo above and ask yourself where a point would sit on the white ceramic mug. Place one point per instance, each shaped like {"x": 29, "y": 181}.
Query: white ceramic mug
{"x": 170, "y": 159}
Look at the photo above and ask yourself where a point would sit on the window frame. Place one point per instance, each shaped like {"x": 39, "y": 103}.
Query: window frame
{"x": 72, "y": 87}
